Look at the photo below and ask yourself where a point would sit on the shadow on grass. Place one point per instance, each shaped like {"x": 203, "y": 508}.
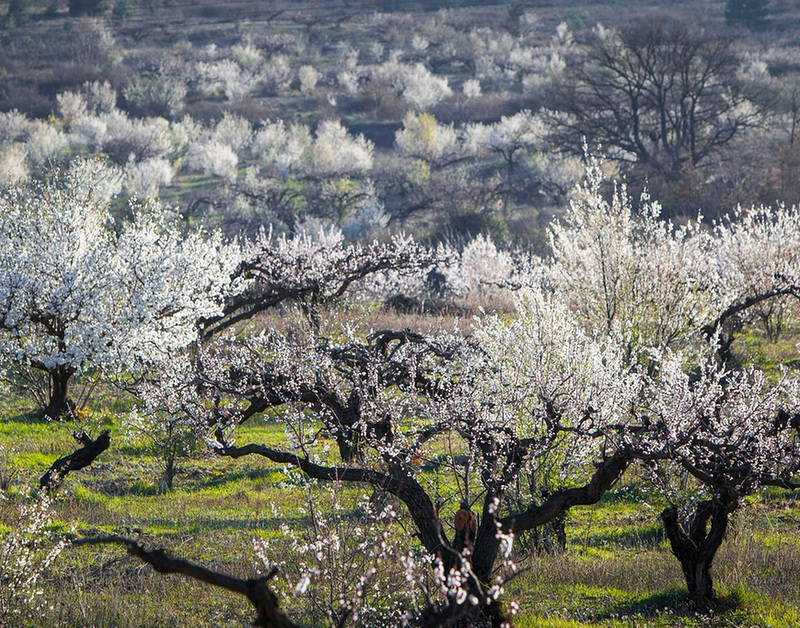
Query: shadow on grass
{"x": 673, "y": 602}
{"x": 28, "y": 417}
{"x": 202, "y": 480}
{"x": 189, "y": 481}
{"x": 132, "y": 450}
{"x": 168, "y": 527}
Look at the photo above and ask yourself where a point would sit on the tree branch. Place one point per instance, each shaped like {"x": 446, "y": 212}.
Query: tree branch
{"x": 405, "y": 489}
{"x": 254, "y": 589}
{"x": 711, "y": 329}
{"x": 605, "y": 476}
{"x": 78, "y": 459}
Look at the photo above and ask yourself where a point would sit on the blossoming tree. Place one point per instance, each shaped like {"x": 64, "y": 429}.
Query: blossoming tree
{"x": 619, "y": 351}
{"x": 676, "y": 298}
{"x": 77, "y": 295}
{"x": 394, "y": 400}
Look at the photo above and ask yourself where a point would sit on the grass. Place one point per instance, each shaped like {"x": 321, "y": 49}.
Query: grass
{"x": 617, "y": 570}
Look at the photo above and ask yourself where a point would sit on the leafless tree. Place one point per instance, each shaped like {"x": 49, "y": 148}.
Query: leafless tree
{"x": 660, "y": 94}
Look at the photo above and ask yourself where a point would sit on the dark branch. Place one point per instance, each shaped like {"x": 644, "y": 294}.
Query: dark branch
{"x": 406, "y": 489}
{"x": 254, "y": 589}
{"x": 711, "y": 329}
{"x": 605, "y": 476}
{"x": 78, "y": 459}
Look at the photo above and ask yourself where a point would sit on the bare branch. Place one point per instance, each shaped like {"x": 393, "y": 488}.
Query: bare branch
{"x": 605, "y": 476}
{"x": 254, "y": 589}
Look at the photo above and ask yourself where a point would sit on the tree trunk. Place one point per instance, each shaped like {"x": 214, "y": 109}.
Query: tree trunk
{"x": 695, "y": 545}
{"x": 485, "y": 547}
{"x": 59, "y": 405}
{"x": 347, "y": 440}
{"x": 79, "y": 459}
{"x": 170, "y": 470}
{"x": 698, "y": 581}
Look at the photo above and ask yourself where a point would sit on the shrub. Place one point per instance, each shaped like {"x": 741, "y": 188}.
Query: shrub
{"x": 13, "y": 168}
{"x": 156, "y": 95}
{"x": 87, "y": 7}
{"x": 26, "y": 552}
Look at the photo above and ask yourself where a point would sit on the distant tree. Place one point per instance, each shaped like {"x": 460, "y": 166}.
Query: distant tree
{"x": 155, "y": 94}
{"x": 168, "y": 438}
{"x": 325, "y": 175}
{"x": 422, "y": 138}
{"x": 750, "y": 13}
{"x": 308, "y": 79}
{"x": 122, "y": 12}
{"x": 19, "y": 13}
{"x": 659, "y": 94}
{"x": 514, "y": 135}
{"x": 515, "y": 12}
{"x": 422, "y": 90}
{"x": 415, "y": 83}
{"x": 13, "y": 168}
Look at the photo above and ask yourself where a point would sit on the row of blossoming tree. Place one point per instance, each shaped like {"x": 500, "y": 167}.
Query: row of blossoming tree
{"x": 503, "y": 141}
{"x": 620, "y": 352}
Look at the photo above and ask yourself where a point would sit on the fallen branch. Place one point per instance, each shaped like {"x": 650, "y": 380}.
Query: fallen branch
{"x": 254, "y": 589}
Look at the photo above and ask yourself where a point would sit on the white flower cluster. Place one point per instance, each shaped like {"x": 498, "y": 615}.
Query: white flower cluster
{"x": 26, "y": 552}
{"x": 75, "y": 293}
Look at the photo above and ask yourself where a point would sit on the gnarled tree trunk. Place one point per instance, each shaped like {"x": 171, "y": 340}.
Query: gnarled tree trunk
{"x": 59, "y": 405}
{"x": 695, "y": 544}
{"x": 78, "y": 459}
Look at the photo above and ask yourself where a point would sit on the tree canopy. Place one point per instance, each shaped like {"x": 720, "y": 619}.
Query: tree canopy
{"x": 79, "y": 293}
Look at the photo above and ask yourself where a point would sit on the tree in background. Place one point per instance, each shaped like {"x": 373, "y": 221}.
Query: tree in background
{"x": 122, "y": 12}
{"x": 19, "y": 13}
{"x": 659, "y": 94}
{"x": 87, "y": 7}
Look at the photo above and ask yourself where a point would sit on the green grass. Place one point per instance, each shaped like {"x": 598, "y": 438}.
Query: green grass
{"x": 617, "y": 570}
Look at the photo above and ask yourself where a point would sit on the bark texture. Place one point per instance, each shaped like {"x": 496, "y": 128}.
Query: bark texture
{"x": 695, "y": 542}
{"x": 78, "y": 459}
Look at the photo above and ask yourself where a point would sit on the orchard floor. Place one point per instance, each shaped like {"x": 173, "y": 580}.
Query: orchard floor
{"x": 617, "y": 570}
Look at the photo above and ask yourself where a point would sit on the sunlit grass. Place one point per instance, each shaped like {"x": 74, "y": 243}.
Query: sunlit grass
{"x": 617, "y": 570}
